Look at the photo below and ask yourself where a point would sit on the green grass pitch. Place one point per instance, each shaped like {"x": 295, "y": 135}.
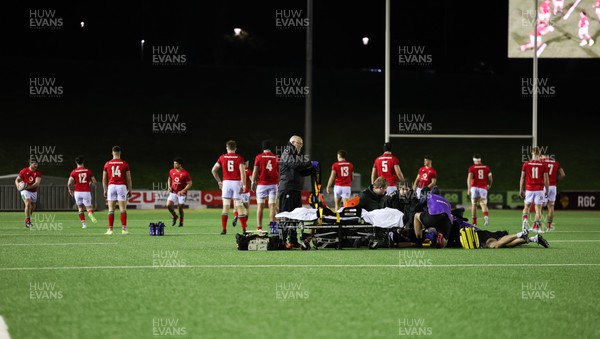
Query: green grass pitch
{"x": 61, "y": 281}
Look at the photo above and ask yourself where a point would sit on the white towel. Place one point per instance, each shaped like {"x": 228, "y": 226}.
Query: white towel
{"x": 299, "y": 213}
{"x": 384, "y": 217}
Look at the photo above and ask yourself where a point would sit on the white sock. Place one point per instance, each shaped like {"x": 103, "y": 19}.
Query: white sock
{"x": 520, "y": 234}
{"x": 534, "y": 239}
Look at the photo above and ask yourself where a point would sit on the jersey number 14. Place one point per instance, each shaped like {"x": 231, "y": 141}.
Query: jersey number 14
{"x": 116, "y": 171}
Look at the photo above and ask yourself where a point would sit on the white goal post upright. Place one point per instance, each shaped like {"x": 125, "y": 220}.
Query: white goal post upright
{"x": 387, "y": 70}
{"x": 534, "y": 94}
{"x": 387, "y": 67}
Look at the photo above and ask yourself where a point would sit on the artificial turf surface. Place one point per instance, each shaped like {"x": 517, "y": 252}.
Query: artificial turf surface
{"x": 61, "y": 281}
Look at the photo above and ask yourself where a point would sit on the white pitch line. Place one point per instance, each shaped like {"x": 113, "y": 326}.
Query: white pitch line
{"x": 571, "y": 10}
{"x": 593, "y": 240}
{"x": 62, "y": 243}
{"x": 290, "y": 266}
{"x": 541, "y": 49}
{"x": 3, "y": 329}
{"x": 574, "y": 232}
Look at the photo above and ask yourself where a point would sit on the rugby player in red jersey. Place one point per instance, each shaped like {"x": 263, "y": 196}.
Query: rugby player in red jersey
{"x": 179, "y": 184}
{"x": 387, "y": 166}
{"x": 79, "y": 183}
{"x": 265, "y": 179}
{"x": 426, "y": 177}
{"x": 532, "y": 186}
{"x": 116, "y": 181}
{"x": 341, "y": 178}
{"x": 233, "y": 183}
{"x": 31, "y": 178}
{"x": 555, "y": 172}
{"x": 479, "y": 181}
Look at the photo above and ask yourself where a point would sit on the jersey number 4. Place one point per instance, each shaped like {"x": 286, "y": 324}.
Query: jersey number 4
{"x": 269, "y": 166}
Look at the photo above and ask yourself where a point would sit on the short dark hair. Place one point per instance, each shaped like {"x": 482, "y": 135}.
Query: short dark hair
{"x": 477, "y": 156}
{"x": 387, "y": 147}
{"x": 116, "y": 149}
{"x": 266, "y": 144}
{"x": 79, "y": 159}
{"x": 428, "y": 157}
{"x": 178, "y": 160}
{"x": 404, "y": 183}
{"x": 342, "y": 153}
{"x": 231, "y": 144}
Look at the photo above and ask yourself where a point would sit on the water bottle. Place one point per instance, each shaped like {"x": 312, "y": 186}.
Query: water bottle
{"x": 152, "y": 229}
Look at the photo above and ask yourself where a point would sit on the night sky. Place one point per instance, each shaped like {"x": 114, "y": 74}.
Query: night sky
{"x": 111, "y": 93}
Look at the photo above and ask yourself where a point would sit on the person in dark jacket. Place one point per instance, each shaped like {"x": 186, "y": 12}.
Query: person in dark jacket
{"x": 293, "y": 167}
{"x": 434, "y": 211}
{"x": 373, "y": 197}
{"x": 404, "y": 200}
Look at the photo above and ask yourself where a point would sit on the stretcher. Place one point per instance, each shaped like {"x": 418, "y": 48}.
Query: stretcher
{"x": 321, "y": 227}
{"x": 349, "y": 227}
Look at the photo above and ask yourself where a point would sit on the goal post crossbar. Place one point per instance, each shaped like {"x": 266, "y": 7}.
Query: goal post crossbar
{"x": 464, "y": 136}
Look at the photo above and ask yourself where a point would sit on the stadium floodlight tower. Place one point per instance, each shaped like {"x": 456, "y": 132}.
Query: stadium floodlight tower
{"x": 389, "y": 135}
{"x": 142, "y": 50}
